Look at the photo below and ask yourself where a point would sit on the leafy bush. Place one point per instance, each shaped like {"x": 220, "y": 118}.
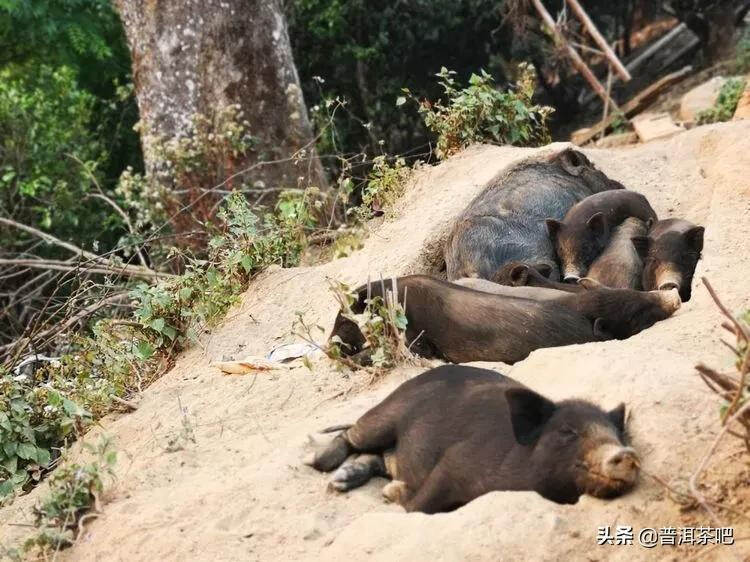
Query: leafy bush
{"x": 726, "y": 103}
{"x": 385, "y": 184}
{"x": 482, "y": 113}
{"x": 382, "y": 323}
{"x": 74, "y": 492}
{"x": 34, "y": 418}
{"x": 44, "y": 117}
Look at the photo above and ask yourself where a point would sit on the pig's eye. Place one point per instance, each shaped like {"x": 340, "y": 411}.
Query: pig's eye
{"x": 568, "y": 432}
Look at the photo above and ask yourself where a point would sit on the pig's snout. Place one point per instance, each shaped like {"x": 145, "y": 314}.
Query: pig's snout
{"x": 620, "y": 463}
{"x": 670, "y": 299}
{"x": 571, "y": 277}
{"x": 669, "y": 280}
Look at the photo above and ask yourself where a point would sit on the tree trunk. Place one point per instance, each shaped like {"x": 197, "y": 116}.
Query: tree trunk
{"x": 211, "y": 58}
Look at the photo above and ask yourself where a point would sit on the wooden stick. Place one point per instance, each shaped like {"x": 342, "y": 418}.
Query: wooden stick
{"x": 603, "y": 45}
{"x": 605, "y": 114}
{"x": 99, "y": 267}
{"x": 638, "y": 102}
{"x": 573, "y": 54}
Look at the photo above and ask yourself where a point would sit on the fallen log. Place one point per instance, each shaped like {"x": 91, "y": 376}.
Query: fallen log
{"x": 639, "y": 102}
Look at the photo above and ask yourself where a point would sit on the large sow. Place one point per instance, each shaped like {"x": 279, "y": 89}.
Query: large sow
{"x": 505, "y": 222}
{"x": 459, "y": 324}
{"x": 454, "y": 433}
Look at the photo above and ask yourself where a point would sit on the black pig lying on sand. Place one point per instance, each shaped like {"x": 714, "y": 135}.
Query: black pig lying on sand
{"x": 505, "y": 222}
{"x": 672, "y": 249}
{"x": 461, "y": 325}
{"x": 620, "y": 265}
{"x": 454, "y": 433}
{"x": 586, "y": 229}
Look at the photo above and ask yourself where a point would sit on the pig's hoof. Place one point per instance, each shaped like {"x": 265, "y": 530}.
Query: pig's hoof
{"x": 395, "y": 491}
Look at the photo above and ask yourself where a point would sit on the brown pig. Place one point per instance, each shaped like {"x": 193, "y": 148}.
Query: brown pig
{"x": 620, "y": 265}
{"x": 585, "y": 230}
{"x": 455, "y": 433}
{"x": 672, "y": 250}
{"x": 461, "y": 325}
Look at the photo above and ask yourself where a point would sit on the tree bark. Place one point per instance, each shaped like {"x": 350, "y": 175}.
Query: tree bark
{"x": 198, "y": 57}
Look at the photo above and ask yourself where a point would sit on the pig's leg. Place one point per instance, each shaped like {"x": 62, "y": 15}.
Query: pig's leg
{"x": 436, "y": 493}
{"x": 374, "y": 432}
{"x": 332, "y": 455}
{"x": 356, "y": 471}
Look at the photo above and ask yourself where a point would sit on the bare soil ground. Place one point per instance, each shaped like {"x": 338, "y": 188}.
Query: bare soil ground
{"x": 240, "y": 492}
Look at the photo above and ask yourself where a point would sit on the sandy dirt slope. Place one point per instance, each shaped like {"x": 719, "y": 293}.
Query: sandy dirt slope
{"x": 240, "y": 493}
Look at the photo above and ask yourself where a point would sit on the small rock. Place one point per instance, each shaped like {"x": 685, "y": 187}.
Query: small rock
{"x": 650, "y": 126}
{"x": 621, "y": 139}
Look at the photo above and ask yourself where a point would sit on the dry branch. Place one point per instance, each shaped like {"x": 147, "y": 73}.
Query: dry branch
{"x": 635, "y": 105}
{"x": 575, "y": 58}
{"x": 603, "y": 45}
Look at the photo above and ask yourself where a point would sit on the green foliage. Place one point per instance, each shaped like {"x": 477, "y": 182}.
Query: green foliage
{"x": 45, "y": 120}
{"x": 726, "y": 103}
{"x": 482, "y": 113}
{"x": 84, "y": 34}
{"x": 385, "y": 184}
{"x": 382, "y": 323}
{"x": 173, "y": 312}
{"x": 365, "y": 51}
{"x": 34, "y": 418}
{"x": 74, "y": 491}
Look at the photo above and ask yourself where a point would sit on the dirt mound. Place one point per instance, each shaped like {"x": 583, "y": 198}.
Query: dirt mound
{"x": 240, "y": 492}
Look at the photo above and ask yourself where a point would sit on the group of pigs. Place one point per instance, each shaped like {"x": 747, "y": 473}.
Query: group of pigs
{"x": 552, "y": 253}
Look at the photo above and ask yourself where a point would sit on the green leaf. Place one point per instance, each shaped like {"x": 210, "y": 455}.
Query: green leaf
{"x": 11, "y": 464}
{"x": 158, "y": 324}
{"x": 43, "y": 457}
{"x": 144, "y": 350}
{"x": 10, "y": 448}
{"x": 26, "y": 451}
{"x": 70, "y": 407}
{"x": 169, "y": 331}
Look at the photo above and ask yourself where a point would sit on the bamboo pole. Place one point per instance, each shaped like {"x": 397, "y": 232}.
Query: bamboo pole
{"x": 603, "y": 45}
{"x": 574, "y": 56}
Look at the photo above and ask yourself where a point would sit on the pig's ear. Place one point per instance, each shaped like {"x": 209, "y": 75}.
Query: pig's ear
{"x": 529, "y": 412}
{"x": 544, "y": 269}
{"x": 598, "y": 225}
{"x": 573, "y": 162}
{"x": 519, "y": 275}
{"x": 641, "y": 244}
{"x": 601, "y": 332}
{"x": 589, "y": 284}
{"x": 553, "y": 227}
{"x": 617, "y": 417}
{"x": 694, "y": 238}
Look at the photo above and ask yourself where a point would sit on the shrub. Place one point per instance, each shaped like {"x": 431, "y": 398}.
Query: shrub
{"x": 34, "y": 418}
{"x": 385, "y": 184}
{"x": 44, "y": 117}
{"x": 75, "y": 491}
{"x": 482, "y": 113}
{"x": 726, "y": 103}
{"x": 383, "y": 324}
